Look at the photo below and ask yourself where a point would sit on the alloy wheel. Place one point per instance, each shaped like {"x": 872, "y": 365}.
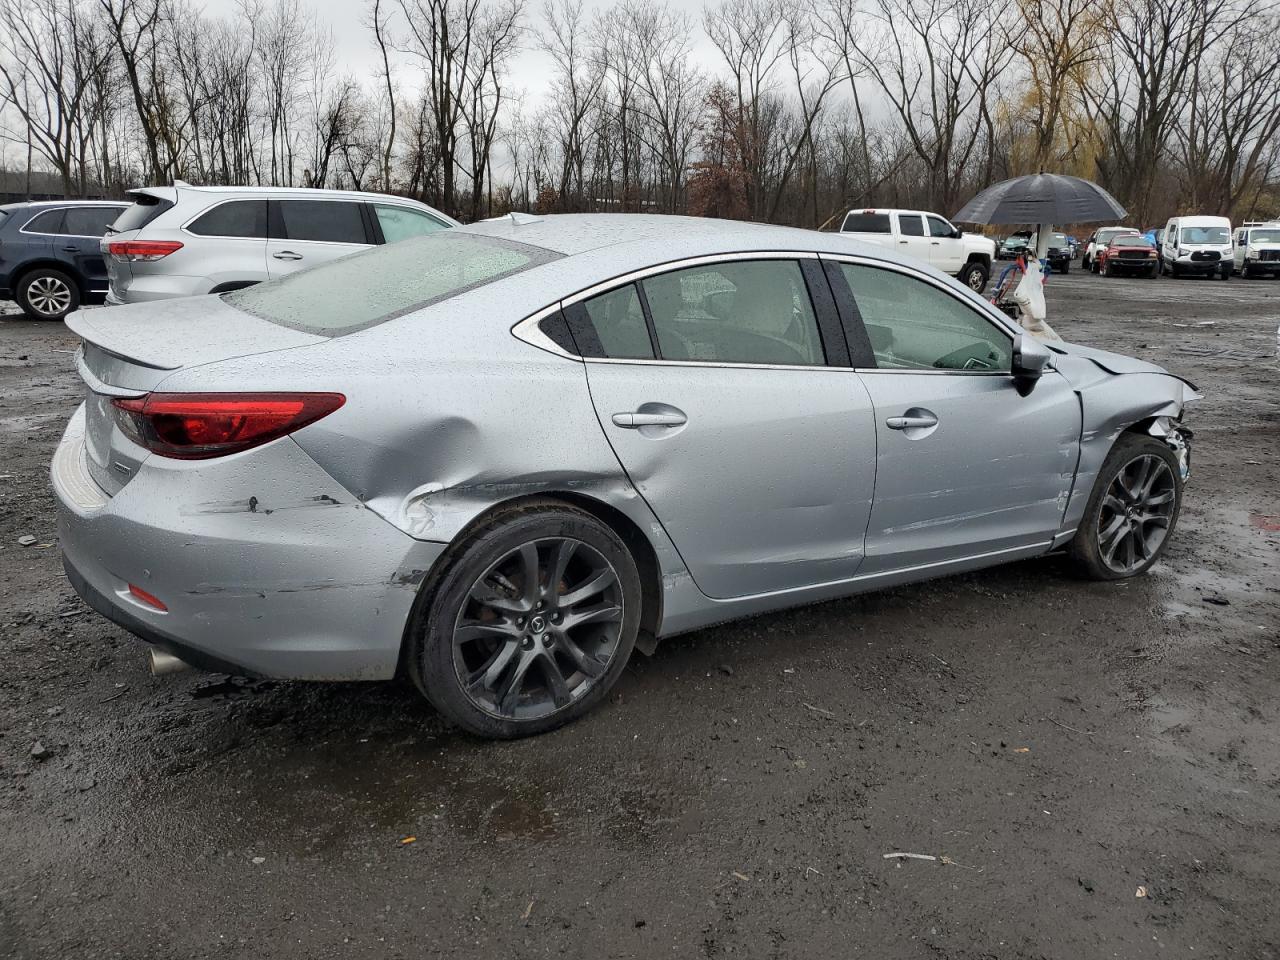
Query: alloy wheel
{"x": 538, "y": 629}
{"x": 48, "y": 296}
{"x": 1137, "y": 510}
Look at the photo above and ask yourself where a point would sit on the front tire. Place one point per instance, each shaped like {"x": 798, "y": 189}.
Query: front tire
{"x": 975, "y": 275}
{"x": 1132, "y": 511}
{"x": 47, "y": 294}
{"x": 530, "y": 623}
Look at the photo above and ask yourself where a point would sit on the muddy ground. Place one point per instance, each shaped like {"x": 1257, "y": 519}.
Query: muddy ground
{"x": 1099, "y": 764}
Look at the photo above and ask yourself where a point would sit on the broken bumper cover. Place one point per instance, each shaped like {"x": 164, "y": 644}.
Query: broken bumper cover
{"x": 313, "y": 587}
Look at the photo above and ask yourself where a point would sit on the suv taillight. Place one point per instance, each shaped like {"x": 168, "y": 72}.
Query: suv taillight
{"x": 199, "y": 426}
{"x": 135, "y": 250}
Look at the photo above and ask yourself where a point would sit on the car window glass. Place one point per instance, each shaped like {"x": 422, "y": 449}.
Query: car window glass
{"x": 752, "y": 311}
{"x": 867, "y": 221}
{"x": 618, "y": 320}
{"x": 236, "y": 218}
{"x": 89, "y": 221}
{"x": 1204, "y": 235}
{"x": 329, "y": 221}
{"x": 377, "y": 284}
{"x": 910, "y": 225}
{"x": 48, "y": 222}
{"x": 145, "y": 209}
{"x": 913, "y": 325}
{"x": 939, "y": 227}
{"x": 399, "y": 223}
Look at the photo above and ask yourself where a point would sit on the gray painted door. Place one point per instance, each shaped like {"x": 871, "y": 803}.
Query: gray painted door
{"x": 765, "y": 485}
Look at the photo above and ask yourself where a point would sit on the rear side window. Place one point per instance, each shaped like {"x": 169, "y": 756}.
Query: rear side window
{"x": 236, "y": 218}
{"x": 48, "y": 222}
{"x": 616, "y": 321}
{"x": 376, "y": 285}
{"x": 913, "y": 325}
{"x": 866, "y": 222}
{"x": 399, "y": 223}
{"x": 326, "y": 221}
{"x": 751, "y": 311}
{"x": 145, "y": 209}
{"x": 910, "y": 225}
{"x": 89, "y": 221}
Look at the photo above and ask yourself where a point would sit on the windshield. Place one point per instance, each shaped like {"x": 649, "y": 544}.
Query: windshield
{"x": 1264, "y": 236}
{"x": 1205, "y": 235}
{"x": 1105, "y": 236}
{"x": 1131, "y": 242}
{"x": 373, "y": 286}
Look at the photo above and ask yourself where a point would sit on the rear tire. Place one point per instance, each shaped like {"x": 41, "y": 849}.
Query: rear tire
{"x": 493, "y": 648}
{"x": 47, "y": 294}
{"x": 1123, "y": 521}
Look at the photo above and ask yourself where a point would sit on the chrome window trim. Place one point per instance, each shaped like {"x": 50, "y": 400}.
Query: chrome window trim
{"x": 72, "y": 236}
{"x": 527, "y": 330}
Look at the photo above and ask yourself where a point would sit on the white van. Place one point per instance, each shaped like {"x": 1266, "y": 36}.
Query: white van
{"x": 1257, "y": 249}
{"x": 1197, "y": 245}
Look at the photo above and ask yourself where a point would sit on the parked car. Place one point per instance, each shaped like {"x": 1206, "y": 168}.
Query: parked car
{"x": 50, "y": 261}
{"x": 1013, "y": 246}
{"x": 1098, "y": 240}
{"x": 500, "y": 459}
{"x": 1256, "y": 250}
{"x": 1198, "y": 246}
{"x": 182, "y": 240}
{"x": 928, "y": 237}
{"x": 1129, "y": 255}
{"x": 1059, "y": 253}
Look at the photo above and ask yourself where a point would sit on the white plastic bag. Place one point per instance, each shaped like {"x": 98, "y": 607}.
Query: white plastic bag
{"x": 1029, "y": 296}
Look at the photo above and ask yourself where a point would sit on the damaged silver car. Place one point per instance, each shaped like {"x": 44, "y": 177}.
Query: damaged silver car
{"x": 502, "y": 457}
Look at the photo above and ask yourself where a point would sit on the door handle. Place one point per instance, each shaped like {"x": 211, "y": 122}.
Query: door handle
{"x": 287, "y": 255}
{"x": 69, "y": 249}
{"x": 633, "y": 421}
{"x": 902, "y": 241}
{"x": 906, "y": 423}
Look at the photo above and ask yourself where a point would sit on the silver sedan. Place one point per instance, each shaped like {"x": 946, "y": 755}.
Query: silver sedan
{"x": 500, "y": 458}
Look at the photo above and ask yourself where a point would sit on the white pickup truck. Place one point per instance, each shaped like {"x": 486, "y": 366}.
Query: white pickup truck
{"x": 927, "y": 237}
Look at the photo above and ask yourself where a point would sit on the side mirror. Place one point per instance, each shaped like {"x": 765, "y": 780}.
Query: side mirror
{"x": 957, "y": 234}
{"x": 1030, "y": 357}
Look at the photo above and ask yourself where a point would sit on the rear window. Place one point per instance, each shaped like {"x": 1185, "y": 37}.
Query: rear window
{"x": 145, "y": 209}
{"x": 866, "y": 222}
{"x": 373, "y": 286}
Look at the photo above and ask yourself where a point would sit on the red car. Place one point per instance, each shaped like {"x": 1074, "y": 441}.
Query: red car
{"x": 1129, "y": 254}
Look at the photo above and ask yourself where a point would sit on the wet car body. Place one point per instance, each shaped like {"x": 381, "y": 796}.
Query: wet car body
{"x": 737, "y": 488}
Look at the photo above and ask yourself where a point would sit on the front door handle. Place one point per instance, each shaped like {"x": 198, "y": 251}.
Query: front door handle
{"x": 287, "y": 255}
{"x": 633, "y": 421}
{"x": 907, "y": 423}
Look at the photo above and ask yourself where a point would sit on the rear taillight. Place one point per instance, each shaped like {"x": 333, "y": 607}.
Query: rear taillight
{"x": 198, "y": 426}
{"x": 136, "y": 250}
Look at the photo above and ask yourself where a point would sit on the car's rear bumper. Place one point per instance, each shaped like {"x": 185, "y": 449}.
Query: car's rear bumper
{"x": 308, "y": 587}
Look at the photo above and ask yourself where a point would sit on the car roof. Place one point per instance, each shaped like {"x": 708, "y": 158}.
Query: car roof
{"x": 29, "y": 204}
{"x": 274, "y": 191}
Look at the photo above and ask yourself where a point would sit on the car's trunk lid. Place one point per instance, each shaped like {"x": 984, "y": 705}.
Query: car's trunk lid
{"x": 130, "y": 351}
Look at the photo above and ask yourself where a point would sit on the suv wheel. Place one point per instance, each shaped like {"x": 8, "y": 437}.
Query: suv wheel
{"x": 974, "y": 275}
{"x": 47, "y": 294}
{"x": 530, "y": 623}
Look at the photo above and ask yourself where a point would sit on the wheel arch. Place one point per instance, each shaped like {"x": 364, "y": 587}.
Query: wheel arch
{"x": 45, "y": 263}
{"x": 641, "y": 548}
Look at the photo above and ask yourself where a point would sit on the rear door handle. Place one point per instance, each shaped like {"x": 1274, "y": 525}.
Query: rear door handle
{"x": 906, "y": 423}
{"x": 287, "y": 255}
{"x": 633, "y": 421}
{"x": 70, "y": 249}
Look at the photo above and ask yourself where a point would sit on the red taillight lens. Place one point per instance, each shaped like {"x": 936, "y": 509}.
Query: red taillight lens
{"x": 134, "y": 250}
{"x": 198, "y": 426}
{"x": 150, "y": 599}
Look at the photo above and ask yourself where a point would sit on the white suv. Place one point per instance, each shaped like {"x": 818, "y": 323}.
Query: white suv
{"x": 182, "y": 241}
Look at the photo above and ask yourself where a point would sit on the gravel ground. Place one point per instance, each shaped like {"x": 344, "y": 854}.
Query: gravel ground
{"x": 1099, "y": 765}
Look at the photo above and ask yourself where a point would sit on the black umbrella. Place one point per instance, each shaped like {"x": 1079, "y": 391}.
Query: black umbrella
{"x": 1041, "y": 198}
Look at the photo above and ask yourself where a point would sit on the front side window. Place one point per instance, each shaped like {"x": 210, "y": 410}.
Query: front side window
{"x": 379, "y": 284}
{"x": 400, "y": 223}
{"x": 940, "y": 228}
{"x": 913, "y": 325}
{"x": 48, "y": 222}
{"x": 326, "y": 221}
{"x": 89, "y": 221}
{"x": 748, "y": 311}
{"x": 245, "y": 219}
{"x": 910, "y": 225}
{"x": 866, "y": 221}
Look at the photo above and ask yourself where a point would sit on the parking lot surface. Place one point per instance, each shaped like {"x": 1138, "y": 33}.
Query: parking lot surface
{"x": 1095, "y": 767}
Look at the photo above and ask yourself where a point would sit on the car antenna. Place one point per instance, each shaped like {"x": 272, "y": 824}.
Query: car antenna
{"x": 520, "y": 218}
